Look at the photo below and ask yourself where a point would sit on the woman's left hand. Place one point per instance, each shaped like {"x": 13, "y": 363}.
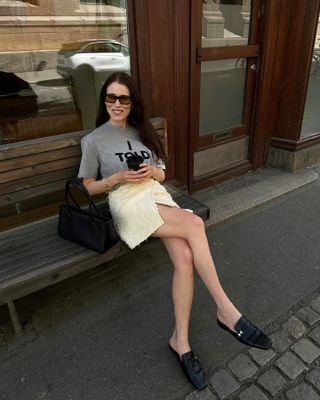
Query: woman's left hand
{"x": 146, "y": 171}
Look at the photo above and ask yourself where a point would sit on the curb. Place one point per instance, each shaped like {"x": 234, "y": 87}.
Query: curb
{"x": 246, "y": 193}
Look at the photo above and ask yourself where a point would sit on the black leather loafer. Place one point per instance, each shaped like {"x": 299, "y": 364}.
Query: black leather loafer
{"x": 248, "y": 334}
{"x": 192, "y": 369}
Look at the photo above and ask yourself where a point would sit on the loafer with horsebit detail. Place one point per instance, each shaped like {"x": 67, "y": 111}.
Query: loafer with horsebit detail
{"x": 248, "y": 334}
{"x": 192, "y": 369}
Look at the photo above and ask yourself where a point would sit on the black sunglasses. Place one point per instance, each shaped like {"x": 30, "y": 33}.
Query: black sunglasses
{"x": 112, "y": 98}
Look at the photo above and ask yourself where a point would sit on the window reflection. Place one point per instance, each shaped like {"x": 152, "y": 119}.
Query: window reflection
{"x": 54, "y": 58}
{"x": 311, "y": 118}
{"x": 225, "y": 22}
{"x": 222, "y": 94}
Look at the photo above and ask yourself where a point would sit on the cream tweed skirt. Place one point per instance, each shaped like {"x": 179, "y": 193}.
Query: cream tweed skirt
{"x": 134, "y": 210}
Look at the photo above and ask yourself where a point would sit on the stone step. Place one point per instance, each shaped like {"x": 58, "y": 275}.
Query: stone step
{"x": 252, "y": 190}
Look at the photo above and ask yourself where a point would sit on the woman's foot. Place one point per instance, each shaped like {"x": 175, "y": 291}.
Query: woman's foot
{"x": 245, "y": 332}
{"x": 192, "y": 369}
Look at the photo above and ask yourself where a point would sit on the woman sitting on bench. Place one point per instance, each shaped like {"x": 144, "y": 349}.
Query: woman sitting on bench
{"x": 141, "y": 207}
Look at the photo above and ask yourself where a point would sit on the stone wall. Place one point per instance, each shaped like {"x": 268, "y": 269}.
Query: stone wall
{"x": 293, "y": 161}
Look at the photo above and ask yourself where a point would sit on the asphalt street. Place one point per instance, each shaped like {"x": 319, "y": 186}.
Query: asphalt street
{"x": 104, "y": 334}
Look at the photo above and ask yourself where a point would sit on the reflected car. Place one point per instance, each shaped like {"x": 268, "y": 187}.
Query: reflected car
{"x": 96, "y": 55}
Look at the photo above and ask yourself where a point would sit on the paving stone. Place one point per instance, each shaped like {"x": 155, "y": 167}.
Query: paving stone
{"x": 306, "y": 350}
{"x": 262, "y": 357}
{"x": 252, "y": 393}
{"x": 290, "y": 365}
{"x": 242, "y": 367}
{"x": 315, "y": 304}
{"x": 309, "y": 316}
{"x": 205, "y": 394}
{"x": 302, "y": 392}
{"x": 315, "y": 335}
{"x": 314, "y": 377}
{"x": 272, "y": 381}
{"x": 294, "y": 327}
{"x": 281, "y": 340}
{"x": 223, "y": 383}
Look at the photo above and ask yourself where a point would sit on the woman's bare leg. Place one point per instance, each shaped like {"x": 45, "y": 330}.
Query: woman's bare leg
{"x": 183, "y": 224}
{"x": 182, "y": 291}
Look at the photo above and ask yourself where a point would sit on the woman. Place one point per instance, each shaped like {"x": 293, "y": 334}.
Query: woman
{"x": 141, "y": 207}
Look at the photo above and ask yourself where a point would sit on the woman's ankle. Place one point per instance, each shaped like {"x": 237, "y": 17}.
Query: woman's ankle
{"x": 228, "y": 316}
{"x": 179, "y": 342}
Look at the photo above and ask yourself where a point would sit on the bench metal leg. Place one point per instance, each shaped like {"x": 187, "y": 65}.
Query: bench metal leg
{"x": 14, "y": 318}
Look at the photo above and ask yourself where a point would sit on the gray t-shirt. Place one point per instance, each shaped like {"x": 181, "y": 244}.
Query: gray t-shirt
{"x": 106, "y": 149}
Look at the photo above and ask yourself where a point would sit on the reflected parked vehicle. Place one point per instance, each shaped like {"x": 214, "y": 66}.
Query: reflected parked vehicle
{"x": 315, "y": 65}
{"x": 96, "y": 55}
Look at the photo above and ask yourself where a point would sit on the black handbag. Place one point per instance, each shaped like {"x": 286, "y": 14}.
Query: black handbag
{"x": 85, "y": 226}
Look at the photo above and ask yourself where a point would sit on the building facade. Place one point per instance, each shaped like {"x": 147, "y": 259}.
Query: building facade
{"x": 237, "y": 80}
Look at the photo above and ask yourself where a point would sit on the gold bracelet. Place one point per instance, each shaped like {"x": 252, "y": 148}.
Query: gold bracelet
{"x": 105, "y": 184}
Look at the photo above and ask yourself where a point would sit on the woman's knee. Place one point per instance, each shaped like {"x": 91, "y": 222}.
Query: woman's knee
{"x": 186, "y": 256}
{"x": 197, "y": 224}
{"x": 182, "y": 256}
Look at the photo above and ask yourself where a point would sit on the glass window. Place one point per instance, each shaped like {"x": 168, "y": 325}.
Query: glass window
{"x": 311, "y": 117}
{"x": 225, "y": 22}
{"x": 106, "y": 2}
{"x": 222, "y": 94}
{"x": 54, "y": 57}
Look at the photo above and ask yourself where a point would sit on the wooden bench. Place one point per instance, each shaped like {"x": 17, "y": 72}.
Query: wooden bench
{"x": 32, "y": 180}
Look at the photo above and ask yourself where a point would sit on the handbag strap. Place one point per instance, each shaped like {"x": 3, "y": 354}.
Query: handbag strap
{"x": 67, "y": 191}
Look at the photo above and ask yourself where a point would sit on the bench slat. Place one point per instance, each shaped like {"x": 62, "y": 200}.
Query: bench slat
{"x": 40, "y": 169}
{"x": 40, "y": 145}
{"x": 61, "y": 263}
{"x": 15, "y": 280}
{"x": 38, "y": 263}
{"x": 23, "y": 232}
{"x": 61, "y": 270}
{"x": 41, "y": 244}
{"x": 39, "y": 158}
{"x": 39, "y": 180}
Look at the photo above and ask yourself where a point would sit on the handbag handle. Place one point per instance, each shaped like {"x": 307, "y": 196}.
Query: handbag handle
{"x": 83, "y": 189}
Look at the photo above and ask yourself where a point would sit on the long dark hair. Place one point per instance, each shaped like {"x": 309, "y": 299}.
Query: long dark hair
{"x": 136, "y": 118}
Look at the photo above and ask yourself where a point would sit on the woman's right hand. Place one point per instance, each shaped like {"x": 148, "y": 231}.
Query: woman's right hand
{"x": 128, "y": 176}
{"x": 124, "y": 176}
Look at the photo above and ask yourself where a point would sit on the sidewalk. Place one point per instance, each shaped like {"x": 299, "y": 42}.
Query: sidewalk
{"x": 103, "y": 335}
{"x": 290, "y": 370}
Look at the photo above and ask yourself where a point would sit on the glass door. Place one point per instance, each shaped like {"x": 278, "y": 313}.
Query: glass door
{"x": 224, "y": 69}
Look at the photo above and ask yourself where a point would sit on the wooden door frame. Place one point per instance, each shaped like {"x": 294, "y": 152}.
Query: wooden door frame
{"x": 252, "y": 51}
{"x": 147, "y": 62}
